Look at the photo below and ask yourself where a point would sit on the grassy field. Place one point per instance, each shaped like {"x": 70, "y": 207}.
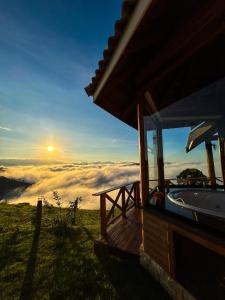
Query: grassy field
{"x": 58, "y": 262}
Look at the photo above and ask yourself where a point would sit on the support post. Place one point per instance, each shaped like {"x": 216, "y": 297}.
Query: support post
{"x": 222, "y": 157}
{"x": 103, "y": 214}
{"x": 211, "y": 167}
{"x": 143, "y": 154}
{"x": 123, "y": 202}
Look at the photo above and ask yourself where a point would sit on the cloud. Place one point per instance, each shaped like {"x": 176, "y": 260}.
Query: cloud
{"x": 72, "y": 180}
{"x": 5, "y": 128}
{"x": 84, "y": 179}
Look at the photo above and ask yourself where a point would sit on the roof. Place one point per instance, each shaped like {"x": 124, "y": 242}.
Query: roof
{"x": 162, "y": 48}
{"x": 120, "y": 25}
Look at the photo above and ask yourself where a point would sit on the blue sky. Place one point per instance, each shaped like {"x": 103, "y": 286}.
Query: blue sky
{"x": 48, "y": 53}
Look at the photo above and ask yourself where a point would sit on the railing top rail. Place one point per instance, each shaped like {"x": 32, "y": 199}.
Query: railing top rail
{"x": 114, "y": 188}
{"x": 191, "y": 178}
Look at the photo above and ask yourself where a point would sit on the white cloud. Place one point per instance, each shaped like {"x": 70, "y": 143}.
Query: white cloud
{"x": 5, "y": 128}
{"x": 72, "y": 180}
{"x": 83, "y": 179}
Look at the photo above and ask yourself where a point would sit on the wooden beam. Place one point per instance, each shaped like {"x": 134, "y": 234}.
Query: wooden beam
{"x": 143, "y": 154}
{"x": 210, "y": 160}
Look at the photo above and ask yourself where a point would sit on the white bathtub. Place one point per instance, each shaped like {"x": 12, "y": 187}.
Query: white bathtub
{"x": 208, "y": 202}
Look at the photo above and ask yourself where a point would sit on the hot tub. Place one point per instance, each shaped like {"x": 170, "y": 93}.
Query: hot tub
{"x": 207, "y": 206}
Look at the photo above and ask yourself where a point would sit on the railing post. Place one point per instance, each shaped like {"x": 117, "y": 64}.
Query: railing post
{"x": 103, "y": 214}
{"x": 123, "y": 202}
{"x": 137, "y": 193}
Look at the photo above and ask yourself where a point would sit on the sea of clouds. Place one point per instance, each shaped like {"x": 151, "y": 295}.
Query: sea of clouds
{"x": 70, "y": 180}
{"x": 80, "y": 179}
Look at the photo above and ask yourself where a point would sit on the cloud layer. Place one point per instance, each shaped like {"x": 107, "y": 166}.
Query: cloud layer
{"x": 82, "y": 179}
{"x": 71, "y": 180}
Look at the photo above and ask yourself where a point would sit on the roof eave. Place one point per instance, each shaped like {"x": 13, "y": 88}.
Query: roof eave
{"x": 95, "y": 88}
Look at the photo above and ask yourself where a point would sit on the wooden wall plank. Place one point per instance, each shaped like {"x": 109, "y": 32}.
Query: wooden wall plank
{"x": 156, "y": 240}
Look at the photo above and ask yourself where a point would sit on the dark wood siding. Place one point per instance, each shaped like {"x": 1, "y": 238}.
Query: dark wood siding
{"x": 156, "y": 240}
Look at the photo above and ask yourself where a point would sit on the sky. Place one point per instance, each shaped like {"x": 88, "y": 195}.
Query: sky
{"x": 49, "y": 51}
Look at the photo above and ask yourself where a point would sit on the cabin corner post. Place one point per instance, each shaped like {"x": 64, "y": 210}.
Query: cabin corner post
{"x": 143, "y": 154}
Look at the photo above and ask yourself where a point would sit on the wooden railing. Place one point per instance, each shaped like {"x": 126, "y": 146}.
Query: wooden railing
{"x": 125, "y": 197}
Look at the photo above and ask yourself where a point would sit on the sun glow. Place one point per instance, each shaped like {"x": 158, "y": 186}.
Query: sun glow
{"x": 50, "y": 148}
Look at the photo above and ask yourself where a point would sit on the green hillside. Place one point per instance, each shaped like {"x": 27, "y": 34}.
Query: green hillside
{"x": 58, "y": 261}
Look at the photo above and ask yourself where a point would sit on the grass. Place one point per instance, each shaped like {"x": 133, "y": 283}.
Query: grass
{"x": 56, "y": 263}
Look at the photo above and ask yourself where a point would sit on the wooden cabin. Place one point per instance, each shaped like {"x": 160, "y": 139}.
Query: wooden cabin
{"x": 164, "y": 68}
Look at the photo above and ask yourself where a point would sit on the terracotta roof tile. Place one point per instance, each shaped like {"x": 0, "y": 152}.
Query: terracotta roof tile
{"x": 113, "y": 41}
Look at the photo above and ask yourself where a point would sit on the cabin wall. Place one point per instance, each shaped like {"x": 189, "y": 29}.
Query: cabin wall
{"x": 156, "y": 240}
{"x": 186, "y": 263}
{"x": 157, "y": 257}
{"x": 199, "y": 269}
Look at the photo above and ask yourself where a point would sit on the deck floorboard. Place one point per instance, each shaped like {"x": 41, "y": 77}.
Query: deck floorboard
{"x": 125, "y": 235}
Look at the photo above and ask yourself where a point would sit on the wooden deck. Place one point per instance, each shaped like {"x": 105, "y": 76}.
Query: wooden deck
{"x": 124, "y": 237}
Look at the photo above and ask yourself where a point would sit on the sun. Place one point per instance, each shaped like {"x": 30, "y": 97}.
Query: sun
{"x": 50, "y": 148}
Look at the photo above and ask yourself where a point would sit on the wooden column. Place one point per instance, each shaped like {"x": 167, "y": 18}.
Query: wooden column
{"x": 210, "y": 160}
{"x": 222, "y": 157}
{"x": 160, "y": 160}
{"x": 143, "y": 154}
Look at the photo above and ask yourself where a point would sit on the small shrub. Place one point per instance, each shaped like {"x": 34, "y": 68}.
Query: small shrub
{"x": 57, "y": 199}
{"x": 74, "y": 208}
{"x": 60, "y": 220}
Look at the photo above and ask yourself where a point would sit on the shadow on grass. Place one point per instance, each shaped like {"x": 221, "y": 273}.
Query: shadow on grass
{"x": 77, "y": 271}
{"x": 88, "y": 233}
{"x": 8, "y": 250}
{"x": 130, "y": 280}
{"x": 26, "y": 290}
{"x": 67, "y": 270}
